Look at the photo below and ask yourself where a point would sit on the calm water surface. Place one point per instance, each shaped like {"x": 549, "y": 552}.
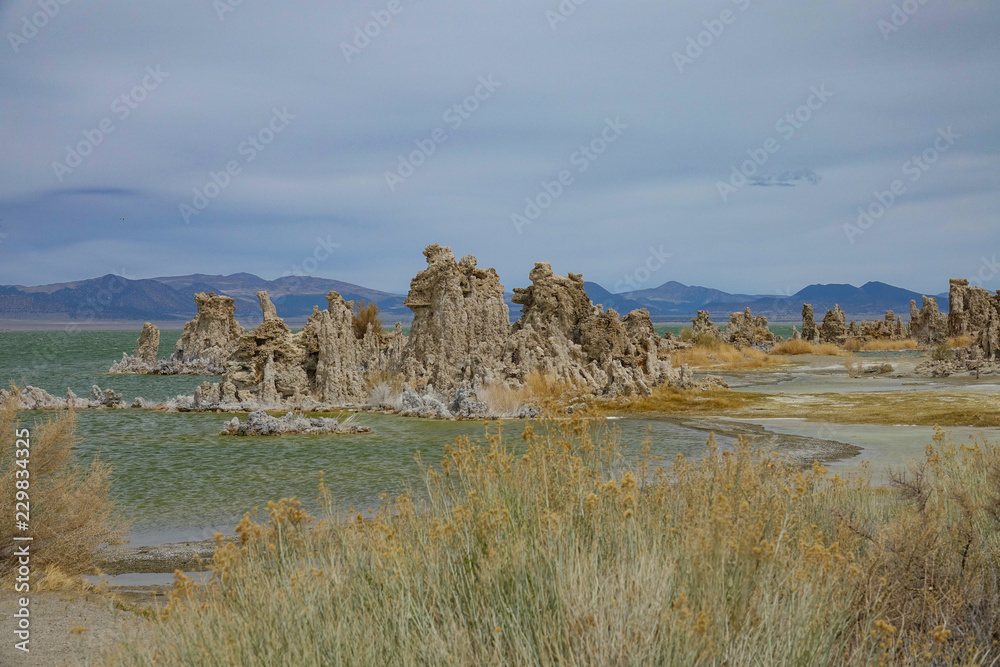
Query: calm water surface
{"x": 177, "y": 479}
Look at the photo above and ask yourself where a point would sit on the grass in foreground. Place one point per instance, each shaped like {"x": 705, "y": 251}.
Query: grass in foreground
{"x": 71, "y": 513}
{"x": 554, "y": 554}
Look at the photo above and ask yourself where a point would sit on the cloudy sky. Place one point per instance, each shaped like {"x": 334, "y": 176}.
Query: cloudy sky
{"x": 728, "y": 143}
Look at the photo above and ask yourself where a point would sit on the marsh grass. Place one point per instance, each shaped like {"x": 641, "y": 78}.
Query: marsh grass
{"x": 710, "y": 352}
{"x": 567, "y": 549}
{"x": 70, "y": 508}
{"x": 795, "y": 347}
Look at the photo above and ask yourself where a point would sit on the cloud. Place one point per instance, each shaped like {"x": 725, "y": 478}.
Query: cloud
{"x": 786, "y": 178}
{"x": 325, "y": 173}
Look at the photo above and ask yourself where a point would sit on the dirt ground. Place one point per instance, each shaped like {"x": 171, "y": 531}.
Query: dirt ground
{"x": 65, "y": 627}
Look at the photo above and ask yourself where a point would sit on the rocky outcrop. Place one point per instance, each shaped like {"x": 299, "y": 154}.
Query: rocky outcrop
{"x": 33, "y": 398}
{"x": 969, "y": 307}
{"x": 988, "y": 339}
{"x": 810, "y": 332}
{"x": 746, "y": 330}
{"x": 267, "y": 308}
{"x": 212, "y": 336}
{"x": 928, "y": 325}
{"x": 262, "y": 424}
{"x": 563, "y": 335}
{"x": 460, "y": 323}
{"x": 834, "y": 328}
{"x": 889, "y": 328}
{"x": 143, "y": 360}
{"x": 334, "y": 354}
{"x": 702, "y": 325}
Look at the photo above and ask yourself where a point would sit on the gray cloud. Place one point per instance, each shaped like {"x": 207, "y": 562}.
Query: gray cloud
{"x": 324, "y": 175}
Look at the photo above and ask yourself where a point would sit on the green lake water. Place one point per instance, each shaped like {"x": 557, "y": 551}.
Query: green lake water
{"x": 177, "y": 479}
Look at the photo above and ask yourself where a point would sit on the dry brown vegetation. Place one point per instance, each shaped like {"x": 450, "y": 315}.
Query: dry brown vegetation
{"x": 710, "y": 352}
{"x": 70, "y": 510}
{"x": 794, "y": 347}
{"x": 365, "y": 315}
{"x": 961, "y": 341}
{"x": 557, "y": 552}
{"x": 856, "y": 345}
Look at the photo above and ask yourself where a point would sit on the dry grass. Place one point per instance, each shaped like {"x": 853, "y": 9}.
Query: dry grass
{"x": 539, "y": 389}
{"x": 889, "y": 345}
{"x": 554, "y": 552}
{"x": 961, "y": 341}
{"x": 919, "y": 408}
{"x": 714, "y": 402}
{"x": 71, "y": 514}
{"x": 365, "y": 315}
{"x": 794, "y": 347}
{"x": 713, "y": 353}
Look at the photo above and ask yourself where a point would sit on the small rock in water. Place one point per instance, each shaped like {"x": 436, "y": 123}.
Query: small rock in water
{"x": 261, "y": 423}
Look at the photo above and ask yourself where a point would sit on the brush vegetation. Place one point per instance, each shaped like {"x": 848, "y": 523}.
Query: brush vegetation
{"x": 71, "y": 514}
{"x": 366, "y": 315}
{"x": 795, "y": 347}
{"x": 568, "y": 549}
{"x": 858, "y": 345}
{"x": 710, "y": 352}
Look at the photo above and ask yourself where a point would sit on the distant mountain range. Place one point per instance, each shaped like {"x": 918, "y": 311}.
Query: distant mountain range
{"x": 170, "y": 298}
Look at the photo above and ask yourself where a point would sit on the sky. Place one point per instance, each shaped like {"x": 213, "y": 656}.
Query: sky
{"x": 747, "y": 146}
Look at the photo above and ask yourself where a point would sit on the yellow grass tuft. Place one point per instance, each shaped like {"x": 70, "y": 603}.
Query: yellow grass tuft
{"x": 71, "y": 512}
{"x": 713, "y": 353}
{"x": 855, "y": 345}
{"x": 794, "y": 347}
{"x": 961, "y": 341}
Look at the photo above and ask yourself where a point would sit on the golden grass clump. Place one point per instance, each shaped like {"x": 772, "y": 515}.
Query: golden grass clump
{"x": 71, "y": 513}
{"x": 961, "y": 341}
{"x": 365, "y": 315}
{"x": 794, "y": 347}
{"x": 889, "y": 345}
{"x": 710, "y": 352}
{"x": 564, "y": 548}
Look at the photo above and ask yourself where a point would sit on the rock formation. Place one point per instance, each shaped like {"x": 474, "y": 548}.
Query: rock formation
{"x": 928, "y": 325}
{"x": 460, "y": 322}
{"x": 266, "y": 307}
{"x": 562, "y": 334}
{"x": 261, "y": 423}
{"x": 810, "y": 332}
{"x": 212, "y": 335}
{"x": 891, "y": 327}
{"x": 143, "y": 360}
{"x": 969, "y": 308}
{"x": 834, "y": 328}
{"x": 702, "y": 325}
{"x": 33, "y": 398}
{"x": 746, "y": 330}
